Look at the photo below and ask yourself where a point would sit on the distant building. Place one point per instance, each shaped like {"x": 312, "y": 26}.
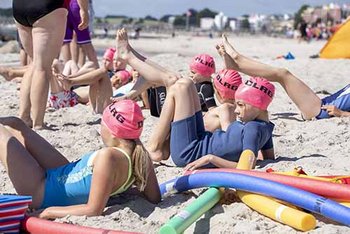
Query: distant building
{"x": 207, "y": 23}
{"x": 220, "y": 21}
{"x": 233, "y": 24}
{"x": 331, "y": 12}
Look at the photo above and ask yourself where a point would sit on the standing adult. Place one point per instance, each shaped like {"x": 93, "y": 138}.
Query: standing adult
{"x": 41, "y": 27}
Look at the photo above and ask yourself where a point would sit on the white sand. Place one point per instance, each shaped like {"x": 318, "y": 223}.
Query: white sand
{"x": 320, "y": 147}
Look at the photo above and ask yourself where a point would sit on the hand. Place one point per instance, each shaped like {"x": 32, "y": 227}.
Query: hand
{"x": 135, "y": 74}
{"x": 332, "y": 111}
{"x": 229, "y": 196}
{"x": 120, "y": 98}
{"x": 198, "y": 163}
{"x": 34, "y": 213}
{"x": 84, "y": 16}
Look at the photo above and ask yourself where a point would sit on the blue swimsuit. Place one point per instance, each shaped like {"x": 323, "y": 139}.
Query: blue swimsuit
{"x": 70, "y": 184}
{"x": 189, "y": 141}
{"x": 340, "y": 99}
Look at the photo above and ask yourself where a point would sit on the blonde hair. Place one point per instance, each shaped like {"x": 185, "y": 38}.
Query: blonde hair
{"x": 140, "y": 165}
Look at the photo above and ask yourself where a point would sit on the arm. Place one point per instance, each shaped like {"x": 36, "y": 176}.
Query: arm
{"x": 215, "y": 160}
{"x": 334, "y": 111}
{"x": 84, "y": 14}
{"x": 226, "y": 115}
{"x": 106, "y": 168}
{"x": 88, "y": 78}
{"x": 140, "y": 86}
{"x": 152, "y": 192}
{"x": 268, "y": 154}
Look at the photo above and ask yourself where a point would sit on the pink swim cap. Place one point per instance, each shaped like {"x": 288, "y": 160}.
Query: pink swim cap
{"x": 227, "y": 82}
{"x": 109, "y": 54}
{"x": 203, "y": 64}
{"x": 257, "y": 92}
{"x": 124, "y": 119}
{"x": 124, "y": 76}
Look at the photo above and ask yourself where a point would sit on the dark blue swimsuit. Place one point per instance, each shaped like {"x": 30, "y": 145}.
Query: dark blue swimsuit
{"x": 189, "y": 141}
{"x": 340, "y": 99}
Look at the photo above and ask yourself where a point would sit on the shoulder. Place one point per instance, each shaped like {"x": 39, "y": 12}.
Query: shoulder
{"x": 110, "y": 155}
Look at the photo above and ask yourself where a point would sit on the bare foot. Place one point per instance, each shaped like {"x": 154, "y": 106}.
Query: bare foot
{"x": 220, "y": 48}
{"x": 123, "y": 48}
{"x": 5, "y": 72}
{"x": 27, "y": 120}
{"x": 65, "y": 82}
{"x": 229, "y": 48}
{"x": 57, "y": 67}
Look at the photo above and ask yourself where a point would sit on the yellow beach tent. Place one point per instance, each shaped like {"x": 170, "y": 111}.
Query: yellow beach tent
{"x": 338, "y": 46}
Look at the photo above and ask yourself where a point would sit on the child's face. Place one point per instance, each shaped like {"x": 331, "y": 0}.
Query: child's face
{"x": 108, "y": 64}
{"x": 196, "y": 77}
{"x": 246, "y": 112}
{"x": 106, "y": 135}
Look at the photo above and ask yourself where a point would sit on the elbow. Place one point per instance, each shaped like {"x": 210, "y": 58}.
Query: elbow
{"x": 283, "y": 72}
{"x": 94, "y": 212}
{"x": 155, "y": 200}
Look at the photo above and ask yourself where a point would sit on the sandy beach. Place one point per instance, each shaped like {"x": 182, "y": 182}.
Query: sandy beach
{"x": 321, "y": 147}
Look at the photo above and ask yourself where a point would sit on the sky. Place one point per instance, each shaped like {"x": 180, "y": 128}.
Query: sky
{"x": 231, "y": 8}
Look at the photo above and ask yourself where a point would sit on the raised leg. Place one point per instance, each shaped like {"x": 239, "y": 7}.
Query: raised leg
{"x": 155, "y": 75}
{"x": 305, "y": 99}
{"x": 46, "y": 155}
{"x": 181, "y": 102}
{"x": 26, "y": 175}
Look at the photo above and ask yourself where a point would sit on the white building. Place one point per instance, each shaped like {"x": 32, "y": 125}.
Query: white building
{"x": 220, "y": 21}
{"x": 206, "y": 23}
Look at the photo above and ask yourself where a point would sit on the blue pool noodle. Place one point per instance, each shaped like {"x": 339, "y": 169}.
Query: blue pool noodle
{"x": 298, "y": 197}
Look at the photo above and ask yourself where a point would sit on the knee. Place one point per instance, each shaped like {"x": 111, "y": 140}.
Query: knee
{"x": 90, "y": 64}
{"x": 283, "y": 72}
{"x": 180, "y": 87}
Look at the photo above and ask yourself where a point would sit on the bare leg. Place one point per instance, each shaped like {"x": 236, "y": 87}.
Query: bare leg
{"x": 46, "y": 155}
{"x": 74, "y": 49}
{"x": 25, "y": 34}
{"x": 90, "y": 52}
{"x": 86, "y": 68}
{"x": 305, "y": 99}
{"x": 26, "y": 175}
{"x": 45, "y": 37}
{"x": 65, "y": 52}
{"x": 71, "y": 67}
{"x": 153, "y": 75}
{"x": 181, "y": 102}
{"x": 104, "y": 93}
{"x": 23, "y": 58}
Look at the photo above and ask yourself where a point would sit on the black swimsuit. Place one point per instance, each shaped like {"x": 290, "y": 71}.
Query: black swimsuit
{"x": 27, "y": 12}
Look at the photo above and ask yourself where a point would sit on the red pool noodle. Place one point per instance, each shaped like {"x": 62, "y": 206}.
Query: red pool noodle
{"x": 42, "y": 226}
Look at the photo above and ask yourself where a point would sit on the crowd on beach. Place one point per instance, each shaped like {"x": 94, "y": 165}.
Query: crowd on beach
{"x": 209, "y": 118}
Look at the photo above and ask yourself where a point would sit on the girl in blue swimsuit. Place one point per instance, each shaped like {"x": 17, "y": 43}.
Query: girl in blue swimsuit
{"x": 84, "y": 186}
